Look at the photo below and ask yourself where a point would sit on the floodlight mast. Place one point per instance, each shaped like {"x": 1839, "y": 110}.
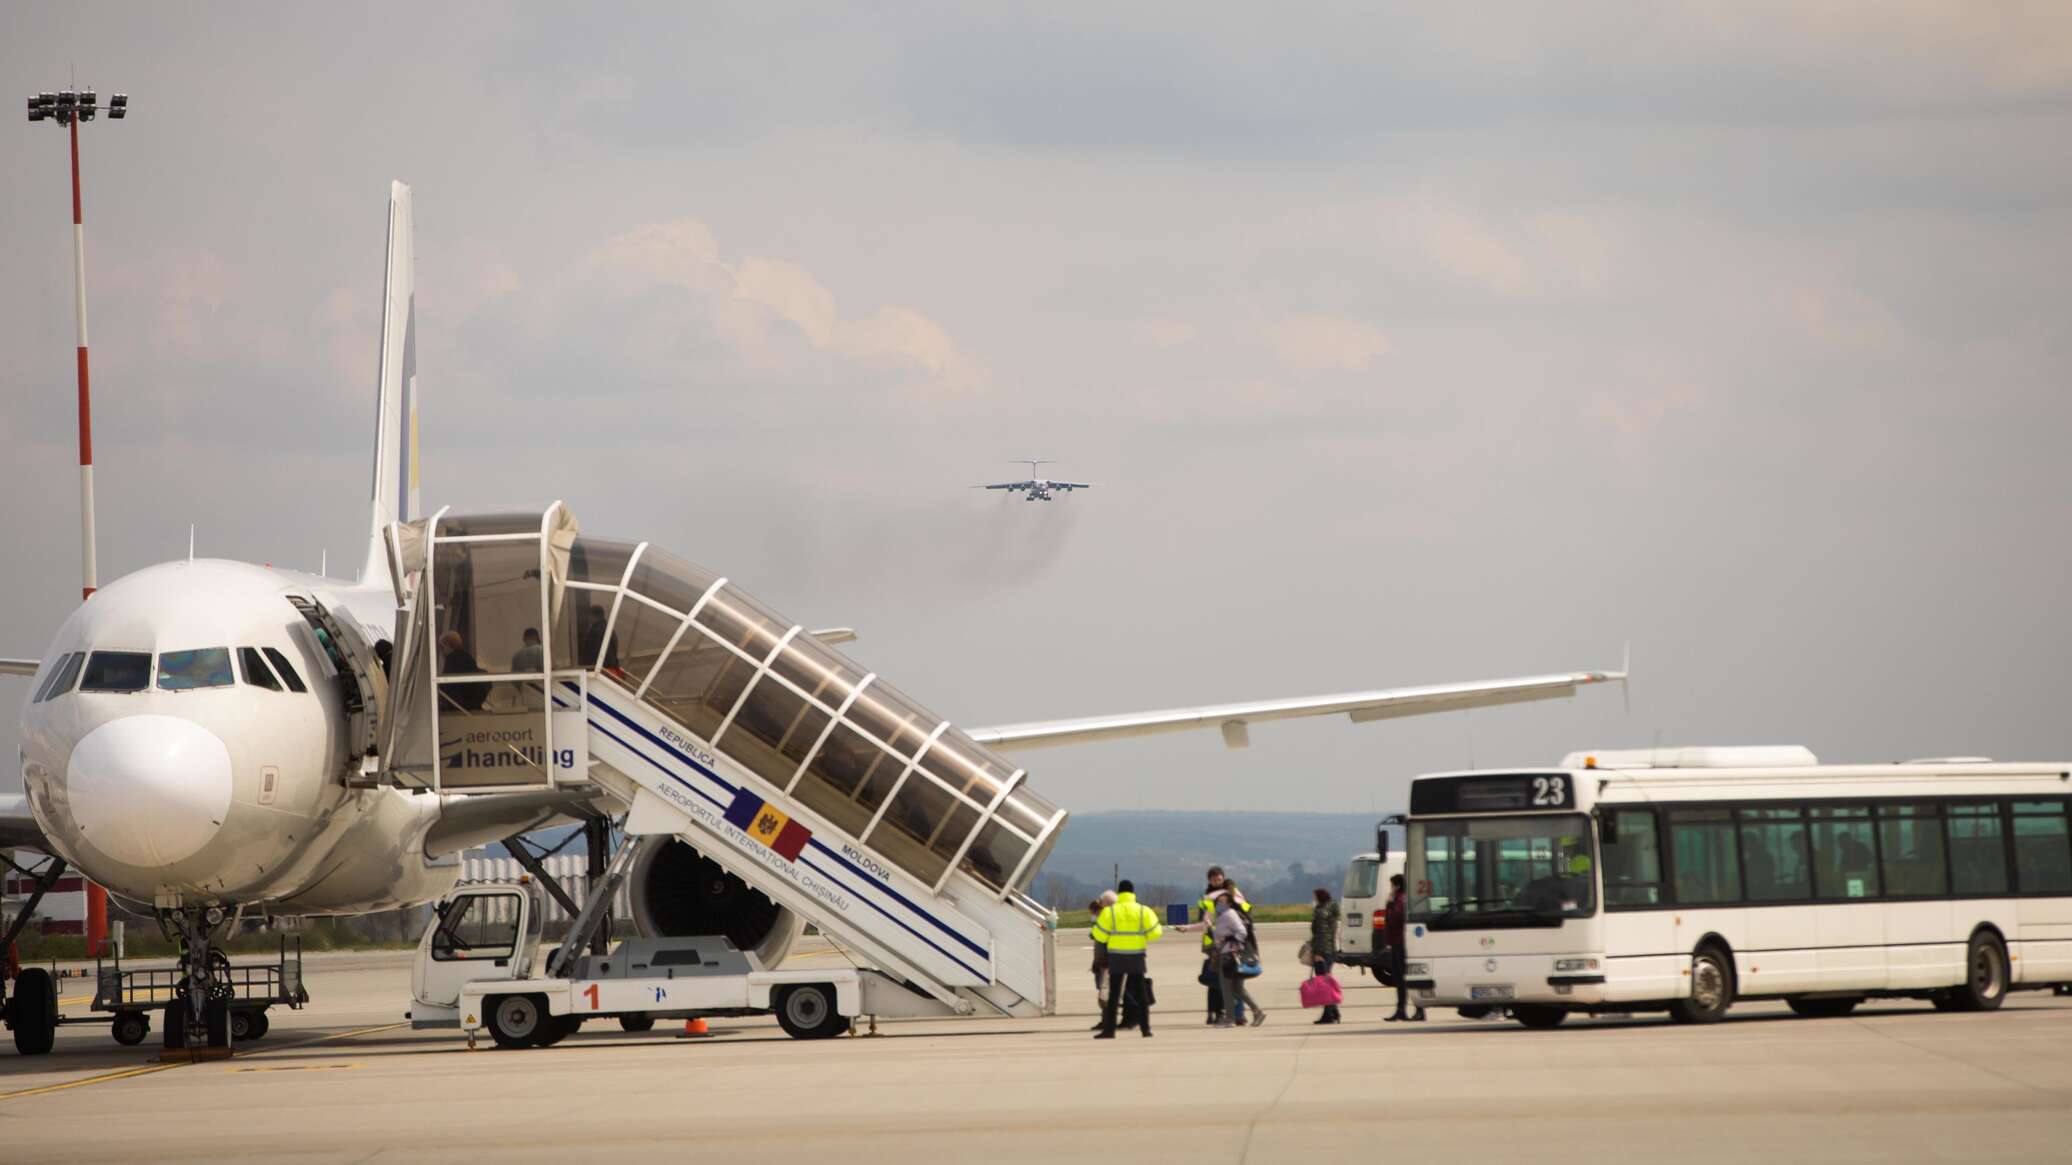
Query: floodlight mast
{"x": 68, "y": 108}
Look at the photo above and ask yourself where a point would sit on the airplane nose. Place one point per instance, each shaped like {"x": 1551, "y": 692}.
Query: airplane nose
{"x": 149, "y": 790}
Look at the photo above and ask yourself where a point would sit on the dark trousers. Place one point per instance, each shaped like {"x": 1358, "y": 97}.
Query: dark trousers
{"x": 1396, "y": 960}
{"x": 1126, "y": 982}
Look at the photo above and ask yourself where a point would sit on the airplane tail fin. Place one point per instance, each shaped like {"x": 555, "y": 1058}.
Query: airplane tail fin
{"x": 395, "y": 410}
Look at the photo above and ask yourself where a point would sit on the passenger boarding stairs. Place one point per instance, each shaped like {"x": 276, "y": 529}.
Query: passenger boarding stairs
{"x": 706, "y": 718}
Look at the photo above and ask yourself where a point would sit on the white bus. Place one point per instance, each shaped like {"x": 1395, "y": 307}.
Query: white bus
{"x": 1686, "y": 879}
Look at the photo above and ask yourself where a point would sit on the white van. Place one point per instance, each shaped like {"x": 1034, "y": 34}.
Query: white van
{"x": 1362, "y": 901}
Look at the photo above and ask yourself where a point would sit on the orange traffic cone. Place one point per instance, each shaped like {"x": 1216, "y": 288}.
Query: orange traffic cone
{"x": 695, "y": 1027}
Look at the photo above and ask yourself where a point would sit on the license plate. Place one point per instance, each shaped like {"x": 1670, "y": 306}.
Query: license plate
{"x": 1490, "y": 991}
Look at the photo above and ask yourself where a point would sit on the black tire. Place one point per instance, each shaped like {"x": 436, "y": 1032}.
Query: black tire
{"x": 1712, "y": 988}
{"x": 1944, "y": 1001}
{"x": 1539, "y": 1015}
{"x": 806, "y": 1011}
{"x": 243, "y": 1024}
{"x": 1474, "y": 1011}
{"x": 1985, "y": 975}
{"x": 517, "y": 1021}
{"x": 1822, "y": 1008}
{"x": 260, "y": 1024}
{"x": 637, "y": 1022}
{"x": 33, "y": 1012}
{"x": 559, "y": 1028}
{"x": 130, "y": 1028}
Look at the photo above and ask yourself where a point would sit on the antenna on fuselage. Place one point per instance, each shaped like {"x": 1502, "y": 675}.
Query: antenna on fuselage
{"x": 190, "y": 542}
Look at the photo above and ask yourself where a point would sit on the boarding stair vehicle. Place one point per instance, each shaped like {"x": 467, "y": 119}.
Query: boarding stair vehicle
{"x": 765, "y": 782}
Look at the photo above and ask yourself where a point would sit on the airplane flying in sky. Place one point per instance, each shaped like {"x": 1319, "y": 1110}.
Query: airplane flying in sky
{"x": 1036, "y": 489}
{"x": 201, "y": 736}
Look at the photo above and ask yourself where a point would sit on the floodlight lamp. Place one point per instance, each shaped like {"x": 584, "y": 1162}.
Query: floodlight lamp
{"x": 86, "y": 98}
{"x": 119, "y": 101}
{"x": 67, "y": 99}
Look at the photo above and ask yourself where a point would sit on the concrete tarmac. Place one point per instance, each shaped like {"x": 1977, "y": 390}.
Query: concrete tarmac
{"x": 342, "y": 1080}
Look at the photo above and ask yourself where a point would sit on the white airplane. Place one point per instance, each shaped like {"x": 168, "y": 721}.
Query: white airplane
{"x": 199, "y": 736}
{"x": 1036, "y": 489}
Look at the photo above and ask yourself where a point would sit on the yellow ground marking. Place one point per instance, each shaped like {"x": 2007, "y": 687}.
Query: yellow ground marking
{"x": 75, "y": 1000}
{"x": 365, "y": 1031}
{"x": 103, "y": 1078}
{"x": 301, "y": 1068}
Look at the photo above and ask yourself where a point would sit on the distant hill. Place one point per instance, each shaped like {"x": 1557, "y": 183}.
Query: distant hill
{"x": 1261, "y": 851}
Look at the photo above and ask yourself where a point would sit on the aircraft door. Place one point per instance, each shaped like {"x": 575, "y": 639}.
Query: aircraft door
{"x": 361, "y": 677}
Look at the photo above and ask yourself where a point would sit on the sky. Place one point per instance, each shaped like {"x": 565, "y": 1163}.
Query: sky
{"x": 1402, "y": 344}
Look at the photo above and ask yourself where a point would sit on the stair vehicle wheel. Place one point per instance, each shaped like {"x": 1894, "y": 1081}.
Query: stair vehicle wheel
{"x": 517, "y": 1021}
{"x": 1712, "y": 988}
{"x": 1823, "y": 1008}
{"x": 33, "y": 1012}
{"x": 637, "y": 1022}
{"x": 130, "y": 1028}
{"x": 806, "y": 1011}
{"x": 556, "y": 1028}
{"x": 1985, "y": 975}
{"x": 1540, "y": 1015}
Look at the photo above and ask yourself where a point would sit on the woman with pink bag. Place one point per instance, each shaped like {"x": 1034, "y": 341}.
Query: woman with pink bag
{"x": 1321, "y": 989}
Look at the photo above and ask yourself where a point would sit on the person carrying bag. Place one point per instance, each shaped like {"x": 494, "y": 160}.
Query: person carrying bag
{"x": 1237, "y": 961}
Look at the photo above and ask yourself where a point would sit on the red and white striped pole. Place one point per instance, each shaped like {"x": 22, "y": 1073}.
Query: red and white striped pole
{"x": 86, "y": 444}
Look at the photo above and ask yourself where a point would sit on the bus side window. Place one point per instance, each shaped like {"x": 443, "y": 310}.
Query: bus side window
{"x": 2042, "y": 847}
{"x": 1978, "y": 848}
{"x": 1632, "y": 859}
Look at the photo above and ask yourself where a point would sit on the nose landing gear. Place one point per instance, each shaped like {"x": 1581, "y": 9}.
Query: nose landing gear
{"x": 200, "y": 1013}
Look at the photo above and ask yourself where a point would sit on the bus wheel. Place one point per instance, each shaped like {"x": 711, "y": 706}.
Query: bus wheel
{"x": 1474, "y": 1011}
{"x": 1712, "y": 988}
{"x": 1541, "y": 1015}
{"x": 1822, "y": 1008}
{"x": 636, "y": 1022}
{"x": 1985, "y": 979}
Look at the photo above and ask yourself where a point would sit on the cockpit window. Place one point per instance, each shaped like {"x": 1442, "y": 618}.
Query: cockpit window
{"x": 117, "y": 671}
{"x": 203, "y": 667}
{"x": 286, "y": 670}
{"x": 61, "y": 677}
{"x": 256, "y": 672}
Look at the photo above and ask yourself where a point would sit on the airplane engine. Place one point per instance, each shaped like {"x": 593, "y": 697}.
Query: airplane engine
{"x": 677, "y": 891}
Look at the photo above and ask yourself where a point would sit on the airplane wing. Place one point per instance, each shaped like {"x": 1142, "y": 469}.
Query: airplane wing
{"x": 1008, "y": 485}
{"x": 17, "y": 828}
{"x": 19, "y": 667}
{"x": 1069, "y": 485}
{"x": 1234, "y": 719}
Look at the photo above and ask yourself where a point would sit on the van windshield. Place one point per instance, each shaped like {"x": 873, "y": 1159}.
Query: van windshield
{"x": 1362, "y": 878}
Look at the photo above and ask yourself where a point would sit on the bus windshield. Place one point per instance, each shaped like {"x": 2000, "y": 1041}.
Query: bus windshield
{"x": 1501, "y": 871}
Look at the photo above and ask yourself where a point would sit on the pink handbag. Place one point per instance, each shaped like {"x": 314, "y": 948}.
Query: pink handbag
{"x": 1322, "y": 991}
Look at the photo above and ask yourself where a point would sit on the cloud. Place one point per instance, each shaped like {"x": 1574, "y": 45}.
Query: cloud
{"x": 1325, "y": 343}
{"x": 1158, "y": 333}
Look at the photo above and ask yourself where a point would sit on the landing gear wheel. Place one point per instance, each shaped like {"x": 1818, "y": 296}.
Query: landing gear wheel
{"x": 1540, "y": 1015}
{"x": 1712, "y": 988}
{"x": 517, "y": 1021}
{"x": 1474, "y": 1011}
{"x": 806, "y": 1011}
{"x": 1822, "y": 1008}
{"x": 33, "y": 1012}
{"x": 1985, "y": 979}
{"x": 130, "y": 1028}
{"x": 637, "y": 1023}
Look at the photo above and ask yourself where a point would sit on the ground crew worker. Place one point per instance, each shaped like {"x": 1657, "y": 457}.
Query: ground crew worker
{"x": 1126, "y": 928}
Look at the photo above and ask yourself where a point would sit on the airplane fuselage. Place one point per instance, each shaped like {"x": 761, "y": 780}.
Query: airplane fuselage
{"x": 197, "y": 773}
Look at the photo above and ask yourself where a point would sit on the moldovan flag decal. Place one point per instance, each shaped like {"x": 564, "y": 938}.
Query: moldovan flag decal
{"x": 767, "y": 824}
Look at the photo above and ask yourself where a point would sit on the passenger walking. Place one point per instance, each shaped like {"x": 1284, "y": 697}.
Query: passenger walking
{"x": 1126, "y": 929}
{"x": 1233, "y": 945}
{"x": 1210, "y": 977}
{"x": 1323, "y": 944}
{"x": 1397, "y": 909}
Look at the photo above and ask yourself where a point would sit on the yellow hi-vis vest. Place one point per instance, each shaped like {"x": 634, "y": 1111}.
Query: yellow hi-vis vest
{"x": 1125, "y": 927}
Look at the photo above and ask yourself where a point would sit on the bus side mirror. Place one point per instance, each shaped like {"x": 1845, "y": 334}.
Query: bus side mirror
{"x": 1381, "y": 846}
{"x": 1608, "y": 828}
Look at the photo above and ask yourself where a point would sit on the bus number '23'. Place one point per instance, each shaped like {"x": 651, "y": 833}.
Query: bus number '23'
{"x": 1550, "y": 790}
